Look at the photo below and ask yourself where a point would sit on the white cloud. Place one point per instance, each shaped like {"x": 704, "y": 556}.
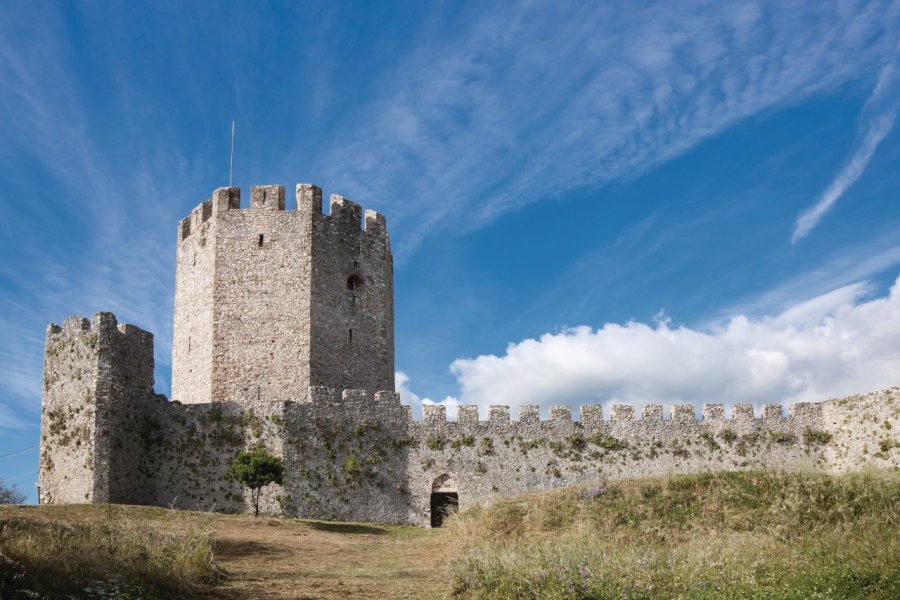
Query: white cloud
{"x": 407, "y": 396}
{"x": 833, "y": 345}
{"x": 877, "y": 121}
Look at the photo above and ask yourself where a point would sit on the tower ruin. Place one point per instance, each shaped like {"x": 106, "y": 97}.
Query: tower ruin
{"x": 270, "y": 301}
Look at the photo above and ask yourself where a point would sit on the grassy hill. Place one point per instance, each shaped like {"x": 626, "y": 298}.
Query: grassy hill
{"x": 739, "y": 535}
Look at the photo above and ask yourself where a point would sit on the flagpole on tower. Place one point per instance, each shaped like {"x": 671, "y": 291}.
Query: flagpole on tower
{"x": 231, "y": 162}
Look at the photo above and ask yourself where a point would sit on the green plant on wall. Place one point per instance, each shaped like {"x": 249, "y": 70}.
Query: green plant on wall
{"x": 256, "y": 469}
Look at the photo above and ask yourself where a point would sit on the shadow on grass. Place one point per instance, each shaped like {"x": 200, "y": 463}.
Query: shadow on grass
{"x": 347, "y": 528}
{"x": 241, "y": 548}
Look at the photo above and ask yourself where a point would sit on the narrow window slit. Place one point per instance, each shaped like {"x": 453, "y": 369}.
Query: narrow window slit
{"x": 259, "y": 242}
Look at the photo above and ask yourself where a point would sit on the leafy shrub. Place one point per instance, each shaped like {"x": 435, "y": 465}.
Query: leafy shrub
{"x": 728, "y": 436}
{"x": 812, "y": 437}
{"x": 608, "y": 442}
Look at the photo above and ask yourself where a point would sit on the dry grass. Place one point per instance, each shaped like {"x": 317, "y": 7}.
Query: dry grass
{"x": 107, "y": 551}
{"x": 248, "y": 557}
{"x": 747, "y": 535}
{"x": 739, "y": 535}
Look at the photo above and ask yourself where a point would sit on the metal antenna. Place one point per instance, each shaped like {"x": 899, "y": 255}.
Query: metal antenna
{"x": 231, "y": 162}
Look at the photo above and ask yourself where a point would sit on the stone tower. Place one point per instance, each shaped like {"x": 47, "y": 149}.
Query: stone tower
{"x": 269, "y": 301}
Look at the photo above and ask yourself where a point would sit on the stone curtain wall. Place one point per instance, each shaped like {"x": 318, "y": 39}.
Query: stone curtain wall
{"x": 346, "y": 457}
{"x": 500, "y": 457}
{"x": 355, "y": 455}
{"x": 191, "y": 445}
{"x": 866, "y": 430}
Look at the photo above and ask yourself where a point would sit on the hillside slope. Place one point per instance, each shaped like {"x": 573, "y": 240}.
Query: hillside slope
{"x": 732, "y": 535}
{"x": 727, "y": 535}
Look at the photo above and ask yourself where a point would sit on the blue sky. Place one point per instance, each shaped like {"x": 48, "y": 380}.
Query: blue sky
{"x": 626, "y": 202}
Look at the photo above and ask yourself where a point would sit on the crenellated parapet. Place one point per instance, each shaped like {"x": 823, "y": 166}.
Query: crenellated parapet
{"x": 343, "y": 213}
{"x": 592, "y": 414}
{"x": 281, "y": 295}
{"x": 497, "y": 456}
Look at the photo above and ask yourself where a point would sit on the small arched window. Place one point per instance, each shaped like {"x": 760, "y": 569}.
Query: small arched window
{"x": 354, "y": 283}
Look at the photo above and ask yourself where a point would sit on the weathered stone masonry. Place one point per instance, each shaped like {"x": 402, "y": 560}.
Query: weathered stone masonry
{"x": 266, "y": 300}
{"x": 280, "y": 300}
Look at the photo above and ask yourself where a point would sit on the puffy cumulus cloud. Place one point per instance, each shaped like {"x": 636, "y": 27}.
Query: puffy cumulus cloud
{"x": 407, "y": 396}
{"x": 834, "y": 345}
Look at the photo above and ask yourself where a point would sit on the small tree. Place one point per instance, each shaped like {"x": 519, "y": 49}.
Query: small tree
{"x": 256, "y": 469}
{"x": 10, "y": 494}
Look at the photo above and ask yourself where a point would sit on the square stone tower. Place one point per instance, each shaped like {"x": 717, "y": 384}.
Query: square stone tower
{"x": 269, "y": 301}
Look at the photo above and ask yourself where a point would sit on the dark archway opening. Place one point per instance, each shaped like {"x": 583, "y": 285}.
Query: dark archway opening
{"x": 443, "y": 504}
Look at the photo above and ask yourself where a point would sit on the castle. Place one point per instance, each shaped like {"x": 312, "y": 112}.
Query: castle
{"x": 283, "y": 338}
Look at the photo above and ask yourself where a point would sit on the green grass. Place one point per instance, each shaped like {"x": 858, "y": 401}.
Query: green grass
{"x": 732, "y": 535}
{"x": 115, "y": 557}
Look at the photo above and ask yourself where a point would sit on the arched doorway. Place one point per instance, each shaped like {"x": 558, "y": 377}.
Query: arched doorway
{"x": 444, "y": 499}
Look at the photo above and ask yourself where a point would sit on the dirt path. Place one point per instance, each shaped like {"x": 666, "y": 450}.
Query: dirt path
{"x": 278, "y": 558}
{"x": 285, "y": 558}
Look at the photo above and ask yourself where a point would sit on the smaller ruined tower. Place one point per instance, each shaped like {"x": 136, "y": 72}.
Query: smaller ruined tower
{"x": 98, "y": 375}
{"x": 270, "y": 301}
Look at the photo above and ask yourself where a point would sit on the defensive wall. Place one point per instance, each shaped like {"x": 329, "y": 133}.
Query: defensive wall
{"x": 358, "y": 455}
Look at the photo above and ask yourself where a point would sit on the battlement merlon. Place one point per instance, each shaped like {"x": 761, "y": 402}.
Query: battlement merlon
{"x": 346, "y": 214}
{"x": 267, "y": 197}
{"x": 222, "y": 199}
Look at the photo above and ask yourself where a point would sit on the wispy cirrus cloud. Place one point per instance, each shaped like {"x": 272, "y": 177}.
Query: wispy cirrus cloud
{"x": 8, "y": 419}
{"x": 604, "y": 94}
{"x": 876, "y": 122}
{"x": 838, "y": 269}
{"x": 97, "y": 233}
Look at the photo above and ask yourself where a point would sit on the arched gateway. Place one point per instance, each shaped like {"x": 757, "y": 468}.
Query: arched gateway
{"x": 444, "y": 499}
